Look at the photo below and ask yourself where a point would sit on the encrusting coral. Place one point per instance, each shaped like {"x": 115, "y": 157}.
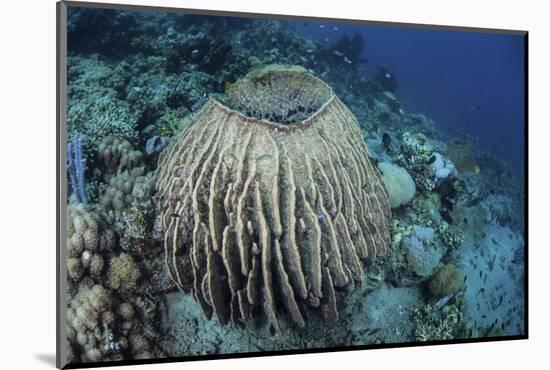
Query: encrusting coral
{"x": 262, "y": 214}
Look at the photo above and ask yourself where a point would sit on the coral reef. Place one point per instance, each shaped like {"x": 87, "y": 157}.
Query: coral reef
{"x": 245, "y": 204}
{"x": 441, "y": 167}
{"x": 141, "y": 87}
{"x": 415, "y": 154}
{"x": 98, "y": 330}
{"x": 399, "y": 184}
{"x": 118, "y": 154}
{"x": 118, "y": 195}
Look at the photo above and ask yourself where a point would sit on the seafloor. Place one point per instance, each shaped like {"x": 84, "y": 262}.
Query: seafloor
{"x": 455, "y": 267}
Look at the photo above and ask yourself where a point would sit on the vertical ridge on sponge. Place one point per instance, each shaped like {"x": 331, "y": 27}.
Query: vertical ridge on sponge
{"x": 268, "y": 219}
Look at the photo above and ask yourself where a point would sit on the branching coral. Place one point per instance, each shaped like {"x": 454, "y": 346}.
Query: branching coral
{"x": 118, "y": 195}
{"x": 422, "y": 256}
{"x": 87, "y": 322}
{"x": 451, "y": 235}
{"x": 432, "y": 323}
{"x": 123, "y": 273}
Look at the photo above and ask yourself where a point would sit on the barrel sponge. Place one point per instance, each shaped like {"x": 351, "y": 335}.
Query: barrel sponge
{"x": 399, "y": 184}
{"x": 269, "y": 201}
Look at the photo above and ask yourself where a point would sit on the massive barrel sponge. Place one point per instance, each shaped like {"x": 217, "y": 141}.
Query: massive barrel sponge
{"x": 270, "y": 202}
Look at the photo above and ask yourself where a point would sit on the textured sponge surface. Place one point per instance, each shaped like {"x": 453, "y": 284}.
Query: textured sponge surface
{"x": 264, "y": 217}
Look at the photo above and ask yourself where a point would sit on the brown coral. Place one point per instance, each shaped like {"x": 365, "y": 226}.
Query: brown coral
{"x": 123, "y": 273}
{"x": 118, "y": 195}
{"x": 83, "y": 236}
{"x": 118, "y": 154}
{"x": 446, "y": 280}
{"x": 259, "y": 214}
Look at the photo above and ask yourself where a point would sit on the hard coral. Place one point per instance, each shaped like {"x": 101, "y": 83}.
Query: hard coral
{"x": 399, "y": 184}
{"x": 446, "y": 280}
{"x": 118, "y": 154}
{"x": 123, "y": 273}
{"x": 118, "y": 195}
{"x": 422, "y": 256}
{"x": 273, "y": 215}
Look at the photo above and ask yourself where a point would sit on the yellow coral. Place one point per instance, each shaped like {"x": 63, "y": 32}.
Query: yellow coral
{"x": 123, "y": 273}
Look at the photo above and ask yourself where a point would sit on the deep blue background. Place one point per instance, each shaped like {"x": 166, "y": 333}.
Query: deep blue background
{"x": 468, "y": 82}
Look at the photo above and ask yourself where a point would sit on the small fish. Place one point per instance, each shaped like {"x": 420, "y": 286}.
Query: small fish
{"x": 335, "y": 28}
{"x": 347, "y": 60}
{"x": 387, "y": 75}
{"x": 326, "y": 39}
{"x": 176, "y": 215}
{"x": 194, "y": 51}
{"x": 320, "y": 216}
{"x": 386, "y": 141}
{"x": 401, "y": 111}
{"x": 322, "y": 26}
{"x": 338, "y": 53}
{"x": 431, "y": 160}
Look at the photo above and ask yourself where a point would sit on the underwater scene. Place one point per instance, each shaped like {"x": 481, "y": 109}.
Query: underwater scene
{"x": 241, "y": 185}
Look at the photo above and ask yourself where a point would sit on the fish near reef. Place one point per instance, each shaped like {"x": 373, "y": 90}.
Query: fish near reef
{"x": 386, "y": 141}
{"x": 279, "y": 212}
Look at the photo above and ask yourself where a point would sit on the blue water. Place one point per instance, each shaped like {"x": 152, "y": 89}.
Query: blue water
{"x": 470, "y": 83}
